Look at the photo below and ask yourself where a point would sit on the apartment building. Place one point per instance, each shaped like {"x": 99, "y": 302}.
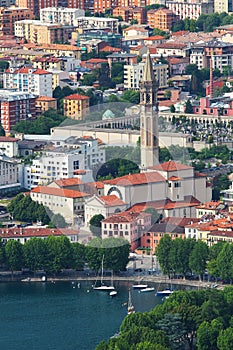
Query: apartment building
{"x": 63, "y": 161}
{"x": 103, "y": 5}
{"x": 22, "y": 235}
{"x": 29, "y": 80}
{"x": 220, "y": 53}
{"x": 57, "y": 63}
{"x": 76, "y": 106}
{"x": 7, "y": 3}
{"x": 127, "y": 225}
{"x": 9, "y": 174}
{"x": 9, "y": 146}
{"x": 68, "y": 203}
{"x": 86, "y": 23}
{"x": 221, "y": 6}
{"x": 14, "y": 107}
{"x": 43, "y": 33}
{"x": 8, "y": 16}
{"x": 130, "y": 13}
{"x": 36, "y": 5}
{"x": 63, "y": 15}
{"x": 190, "y": 9}
{"x": 162, "y": 19}
{"x": 133, "y": 75}
{"x": 44, "y": 103}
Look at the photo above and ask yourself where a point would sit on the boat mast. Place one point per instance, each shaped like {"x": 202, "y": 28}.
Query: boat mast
{"x": 102, "y": 272}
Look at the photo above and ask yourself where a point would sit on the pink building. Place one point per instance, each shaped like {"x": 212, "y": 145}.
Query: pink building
{"x": 215, "y": 106}
{"x": 128, "y": 225}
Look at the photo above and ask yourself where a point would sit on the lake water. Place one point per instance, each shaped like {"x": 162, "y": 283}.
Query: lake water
{"x": 57, "y": 316}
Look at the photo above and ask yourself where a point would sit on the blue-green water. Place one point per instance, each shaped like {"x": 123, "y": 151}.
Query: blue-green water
{"x": 50, "y": 316}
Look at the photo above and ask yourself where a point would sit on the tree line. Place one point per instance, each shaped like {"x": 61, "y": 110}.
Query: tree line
{"x": 56, "y": 253}
{"x": 186, "y": 320}
{"x": 23, "y": 208}
{"x": 186, "y": 256}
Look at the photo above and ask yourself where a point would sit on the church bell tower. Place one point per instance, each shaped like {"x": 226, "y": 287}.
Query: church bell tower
{"x": 149, "y": 117}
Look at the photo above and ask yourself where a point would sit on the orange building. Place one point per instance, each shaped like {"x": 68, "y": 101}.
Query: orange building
{"x": 130, "y": 13}
{"x": 162, "y": 19}
{"x": 8, "y": 16}
{"x": 103, "y": 5}
{"x": 44, "y": 103}
{"x": 76, "y": 106}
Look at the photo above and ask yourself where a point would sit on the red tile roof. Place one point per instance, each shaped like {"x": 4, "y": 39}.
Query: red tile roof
{"x": 112, "y": 200}
{"x": 110, "y": 49}
{"x": 180, "y": 221}
{"x": 171, "y": 165}
{"x": 189, "y": 201}
{"x": 26, "y": 70}
{"x": 96, "y": 60}
{"x": 125, "y": 216}
{"x": 45, "y": 98}
{"x": 8, "y": 139}
{"x": 76, "y": 97}
{"x": 59, "y": 192}
{"x": 155, "y": 37}
{"x": 210, "y": 205}
{"x": 136, "y": 179}
{"x": 171, "y": 45}
{"x": 69, "y": 182}
{"x": 36, "y": 232}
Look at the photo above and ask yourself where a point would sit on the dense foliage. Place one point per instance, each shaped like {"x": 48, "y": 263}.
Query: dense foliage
{"x": 115, "y": 251}
{"x": 95, "y": 224}
{"x": 40, "y": 125}
{"x": 117, "y": 167}
{"x": 187, "y": 320}
{"x": 23, "y": 208}
{"x": 54, "y": 254}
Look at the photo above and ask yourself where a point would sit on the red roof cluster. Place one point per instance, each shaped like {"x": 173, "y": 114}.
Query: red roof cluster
{"x": 136, "y": 179}
{"x": 112, "y": 200}
{"x": 76, "y": 97}
{"x": 74, "y": 181}
{"x": 171, "y": 165}
{"x": 36, "y": 232}
{"x": 8, "y": 139}
{"x": 125, "y": 216}
{"x": 59, "y": 192}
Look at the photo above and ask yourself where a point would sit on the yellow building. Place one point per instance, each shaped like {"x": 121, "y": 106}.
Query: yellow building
{"x": 76, "y": 106}
{"x": 44, "y": 103}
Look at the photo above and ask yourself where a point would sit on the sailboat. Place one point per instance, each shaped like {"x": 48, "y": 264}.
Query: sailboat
{"x": 165, "y": 292}
{"x": 130, "y": 305}
{"x": 102, "y": 286}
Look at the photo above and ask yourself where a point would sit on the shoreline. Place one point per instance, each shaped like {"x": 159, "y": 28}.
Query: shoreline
{"x": 133, "y": 279}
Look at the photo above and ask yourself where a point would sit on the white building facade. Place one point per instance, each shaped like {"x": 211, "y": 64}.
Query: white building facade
{"x": 63, "y": 15}
{"x": 63, "y": 162}
{"x": 35, "y": 81}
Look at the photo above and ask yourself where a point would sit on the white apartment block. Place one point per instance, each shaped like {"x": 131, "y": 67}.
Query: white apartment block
{"x": 63, "y": 162}
{"x": 63, "y": 15}
{"x": 10, "y": 173}
{"x": 31, "y": 80}
{"x": 98, "y": 23}
{"x": 9, "y": 146}
{"x": 191, "y": 9}
{"x": 133, "y": 75}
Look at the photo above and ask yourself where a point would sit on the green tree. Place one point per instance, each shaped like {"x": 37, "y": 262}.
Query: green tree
{"x": 35, "y": 254}
{"x": 131, "y": 96}
{"x": 2, "y": 131}
{"x": 95, "y": 224}
{"x": 60, "y": 254}
{"x": 172, "y": 109}
{"x": 57, "y": 220}
{"x": 155, "y": 216}
{"x": 14, "y": 255}
{"x": 207, "y": 334}
{"x": 188, "y": 107}
{"x": 198, "y": 258}
{"x": 225, "y": 339}
{"x": 225, "y": 262}
{"x": 162, "y": 253}
{"x": 79, "y": 252}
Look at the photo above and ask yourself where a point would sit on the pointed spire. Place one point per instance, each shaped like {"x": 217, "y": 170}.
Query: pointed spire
{"x": 148, "y": 73}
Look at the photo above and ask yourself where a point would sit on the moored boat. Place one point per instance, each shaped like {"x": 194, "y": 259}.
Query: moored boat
{"x": 140, "y": 286}
{"x": 146, "y": 290}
